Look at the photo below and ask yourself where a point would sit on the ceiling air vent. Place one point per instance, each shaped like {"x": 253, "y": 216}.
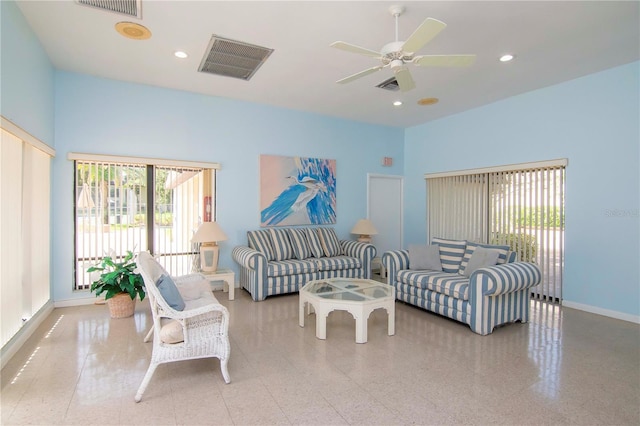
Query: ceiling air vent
{"x": 125, "y": 7}
{"x": 231, "y": 58}
{"x": 389, "y": 84}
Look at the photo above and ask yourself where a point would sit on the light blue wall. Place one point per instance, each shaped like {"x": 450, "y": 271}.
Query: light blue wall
{"x": 102, "y": 116}
{"x": 26, "y": 76}
{"x": 594, "y": 122}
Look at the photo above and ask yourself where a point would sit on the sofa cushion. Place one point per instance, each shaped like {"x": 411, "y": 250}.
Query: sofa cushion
{"x": 451, "y": 253}
{"x": 282, "y": 249}
{"x": 449, "y": 284}
{"x": 330, "y": 243}
{"x": 337, "y": 263}
{"x": 482, "y": 258}
{"x": 313, "y": 240}
{"x": 424, "y": 257}
{"x": 279, "y": 268}
{"x": 299, "y": 244}
{"x": 503, "y": 253}
{"x": 261, "y": 241}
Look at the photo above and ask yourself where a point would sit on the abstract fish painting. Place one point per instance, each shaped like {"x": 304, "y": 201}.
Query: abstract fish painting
{"x": 297, "y": 191}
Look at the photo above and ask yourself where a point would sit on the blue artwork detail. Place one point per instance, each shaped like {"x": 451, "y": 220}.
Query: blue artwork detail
{"x": 312, "y": 193}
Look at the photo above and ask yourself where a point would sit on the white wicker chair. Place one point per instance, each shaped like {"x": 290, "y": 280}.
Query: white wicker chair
{"x": 205, "y": 322}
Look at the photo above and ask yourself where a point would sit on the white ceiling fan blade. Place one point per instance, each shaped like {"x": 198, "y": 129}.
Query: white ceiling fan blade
{"x": 444, "y": 60}
{"x": 354, "y": 49}
{"x": 404, "y": 79}
{"x": 359, "y": 74}
{"x": 423, "y": 35}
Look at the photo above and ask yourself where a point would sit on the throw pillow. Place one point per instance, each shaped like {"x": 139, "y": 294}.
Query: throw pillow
{"x": 314, "y": 242}
{"x": 281, "y": 245}
{"x": 471, "y": 247}
{"x": 261, "y": 241}
{"x": 481, "y": 258}
{"x": 299, "y": 243}
{"x": 330, "y": 243}
{"x": 169, "y": 292}
{"x": 451, "y": 253}
{"x": 424, "y": 257}
{"x": 171, "y": 332}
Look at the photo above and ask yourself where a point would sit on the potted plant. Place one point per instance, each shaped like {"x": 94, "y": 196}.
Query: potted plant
{"x": 121, "y": 284}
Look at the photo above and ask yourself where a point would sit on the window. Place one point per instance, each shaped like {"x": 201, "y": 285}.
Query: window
{"x": 133, "y": 204}
{"x": 521, "y": 206}
{"x": 25, "y": 188}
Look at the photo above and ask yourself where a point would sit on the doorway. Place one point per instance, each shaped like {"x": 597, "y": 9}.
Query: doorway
{"x": 384, "y": 209}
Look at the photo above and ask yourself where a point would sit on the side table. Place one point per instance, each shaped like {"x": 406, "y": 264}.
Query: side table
{"x": 225, "y": 275}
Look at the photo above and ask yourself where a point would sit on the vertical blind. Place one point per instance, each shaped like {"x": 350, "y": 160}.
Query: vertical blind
{"x": 521, "y": 206}
{"x": 138, "y": 205}
{"x": 25, "y": 190}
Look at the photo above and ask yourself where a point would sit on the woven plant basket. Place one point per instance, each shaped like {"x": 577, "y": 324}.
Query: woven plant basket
{"x": 121, "y": 305}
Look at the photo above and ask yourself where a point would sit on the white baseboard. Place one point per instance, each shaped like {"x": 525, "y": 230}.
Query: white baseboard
{"x": 75, "y": 302}
{"x": 16, "y": 342}
{"x": 604, "y": 312}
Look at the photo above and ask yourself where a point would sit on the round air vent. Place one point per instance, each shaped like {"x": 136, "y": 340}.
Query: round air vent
{"x": 133, "y": 30}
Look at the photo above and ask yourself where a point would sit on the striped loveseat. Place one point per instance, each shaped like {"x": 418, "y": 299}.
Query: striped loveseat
{"x": 483, "y": 298}
{"x": 282, "y": 260}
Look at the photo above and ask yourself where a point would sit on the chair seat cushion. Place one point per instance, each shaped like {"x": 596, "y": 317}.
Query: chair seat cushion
{"x": 337, "y": 263}
{"x": 290, "y": 267}
{"x": 449, "y": 284}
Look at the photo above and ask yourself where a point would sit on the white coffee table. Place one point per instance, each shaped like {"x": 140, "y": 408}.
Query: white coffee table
{"x": 357, "y": 296}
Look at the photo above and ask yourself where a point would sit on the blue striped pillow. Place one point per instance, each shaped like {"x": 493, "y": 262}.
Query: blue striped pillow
{"x": 261, "y": 241}
{"x": 330, "y": 243}
{"x": 299, "y": 243}
{"x": 314, "y": 242}
{"x": 503, "y": 251}
{"x": 451, "y": 253}
{"x": 282, "y": 249}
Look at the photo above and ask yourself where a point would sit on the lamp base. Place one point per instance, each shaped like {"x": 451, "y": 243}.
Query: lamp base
{"x": 209, "y": 257}
{"x": 365, "y": 239}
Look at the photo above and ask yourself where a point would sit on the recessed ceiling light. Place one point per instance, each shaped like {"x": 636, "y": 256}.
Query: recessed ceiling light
{"x": 506, "y": 58}
{"x": 180, "y": 54}
{"x": 397, "y": 103}
{"x": 133, "y": 30}
{"x": 428, "y": 101}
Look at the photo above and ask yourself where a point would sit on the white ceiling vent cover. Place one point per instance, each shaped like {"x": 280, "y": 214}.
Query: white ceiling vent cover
{"x": 124, "y": 7}
{"x": 231, "y": 58}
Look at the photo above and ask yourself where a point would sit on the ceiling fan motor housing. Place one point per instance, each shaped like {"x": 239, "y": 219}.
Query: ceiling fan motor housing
{"x": 393, "y": 51}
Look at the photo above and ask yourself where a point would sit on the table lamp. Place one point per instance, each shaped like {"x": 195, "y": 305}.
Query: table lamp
{"x": 208, "y": 234}
{"x": 365, "y": 229}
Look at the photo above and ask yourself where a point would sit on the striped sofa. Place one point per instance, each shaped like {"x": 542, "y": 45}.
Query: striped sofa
{"x": 483, "y": 298}
{"x": 282, "y": 260}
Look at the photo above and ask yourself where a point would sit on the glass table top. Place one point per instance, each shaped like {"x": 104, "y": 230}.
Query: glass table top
{"x": 348, "y": 289}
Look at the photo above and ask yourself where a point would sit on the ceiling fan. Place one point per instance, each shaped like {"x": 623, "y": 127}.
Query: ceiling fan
{"x": 396, "y": 55}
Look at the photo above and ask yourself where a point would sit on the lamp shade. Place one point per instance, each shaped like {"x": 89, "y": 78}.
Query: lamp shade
{"x": 364, "y": 227}
{"x": 209, "y": 232}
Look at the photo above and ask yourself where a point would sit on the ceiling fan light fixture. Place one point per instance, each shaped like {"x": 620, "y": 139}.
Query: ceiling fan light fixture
{"x": 507, "y": 57}
{"x": 133, "y": 31}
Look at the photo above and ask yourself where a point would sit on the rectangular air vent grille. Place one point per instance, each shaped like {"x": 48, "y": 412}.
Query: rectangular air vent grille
{"x": 231, "y": 58}
{"x": 389, "y": 84}
{"x": 125, "y": 7}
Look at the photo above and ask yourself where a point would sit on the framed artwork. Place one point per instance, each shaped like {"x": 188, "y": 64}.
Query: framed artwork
{"x": 297, "y": 191}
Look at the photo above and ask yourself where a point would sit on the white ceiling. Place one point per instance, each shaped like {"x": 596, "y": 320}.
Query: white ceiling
{"x": 554, "y": 42}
